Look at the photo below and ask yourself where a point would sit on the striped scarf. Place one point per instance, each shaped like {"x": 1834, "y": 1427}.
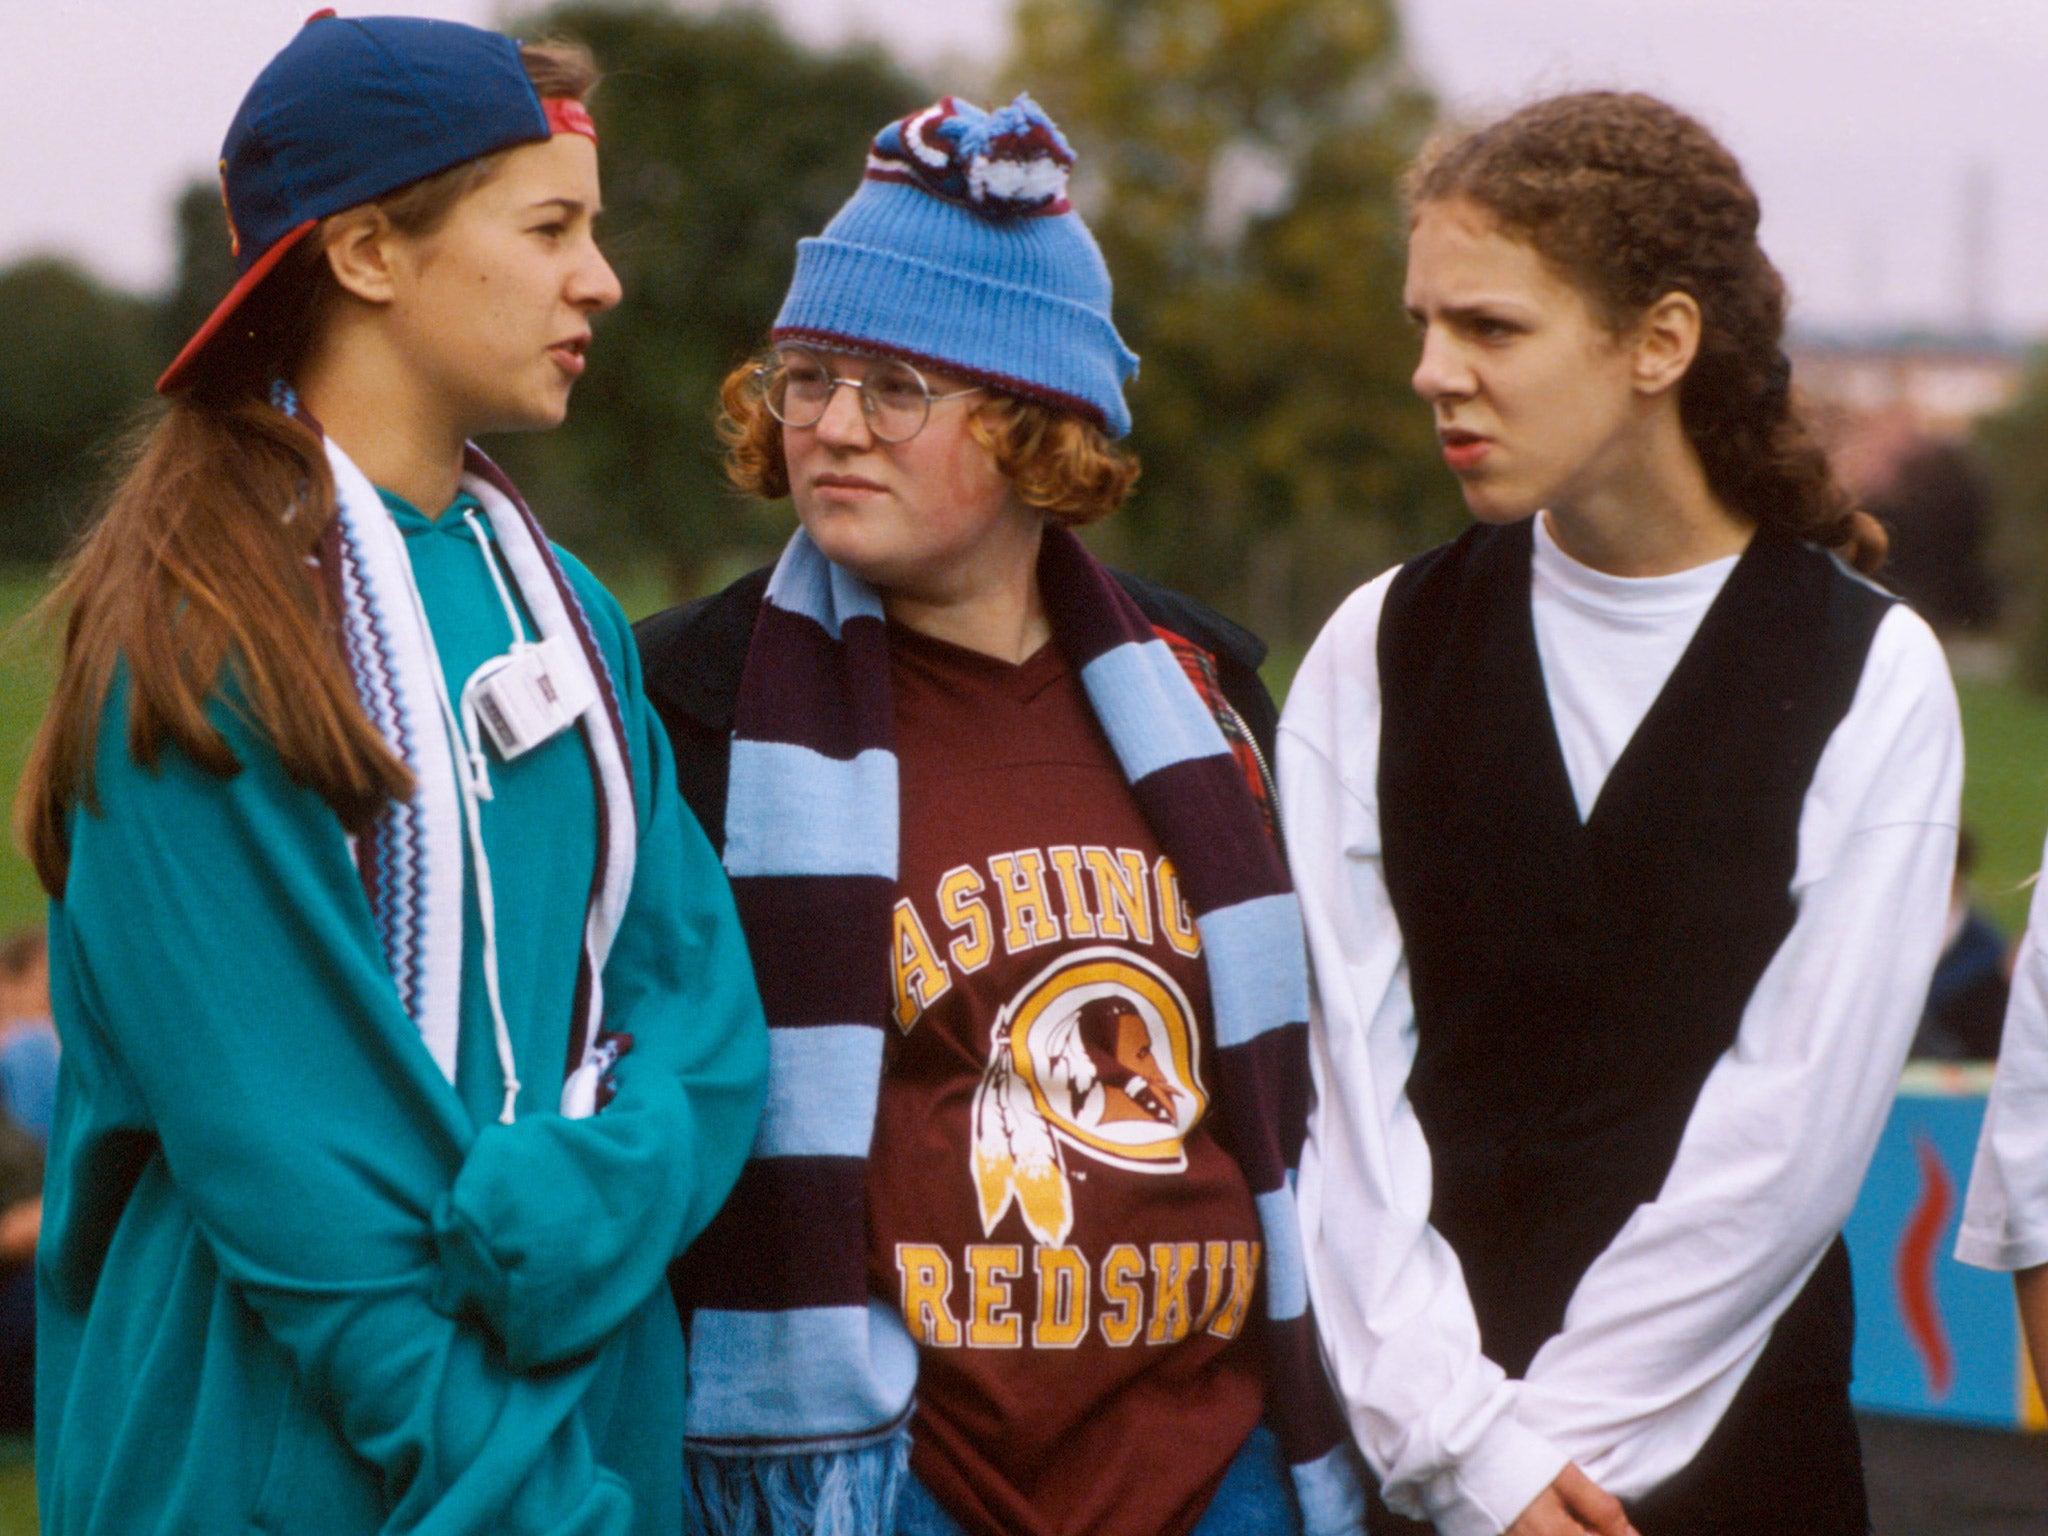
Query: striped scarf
{"x": 800, "y": 1382}
{"x": 411, "y": 857}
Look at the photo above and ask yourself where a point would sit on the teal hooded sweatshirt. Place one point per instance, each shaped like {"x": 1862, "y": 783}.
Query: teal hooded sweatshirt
{"x": 291, "y": 1278}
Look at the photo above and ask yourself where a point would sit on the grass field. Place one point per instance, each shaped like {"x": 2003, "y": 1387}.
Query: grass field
{"x": 24, "y": 687}
{"x": 2005, "y": 793}
{"x": 17, "y": 1488}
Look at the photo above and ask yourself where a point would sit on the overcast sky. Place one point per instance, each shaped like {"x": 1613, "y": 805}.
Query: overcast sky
{"x": 1866, "y": 124}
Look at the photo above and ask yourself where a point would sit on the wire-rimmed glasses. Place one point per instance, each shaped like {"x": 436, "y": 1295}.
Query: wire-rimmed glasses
{"x": 894, "y": 397}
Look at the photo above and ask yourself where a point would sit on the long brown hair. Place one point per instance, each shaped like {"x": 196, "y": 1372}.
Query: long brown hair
{"x": 199, "y": 561}
{"x": 1631, "y": 200}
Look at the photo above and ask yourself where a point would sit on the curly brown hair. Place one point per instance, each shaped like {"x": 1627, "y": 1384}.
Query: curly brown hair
{"x": 1057, "y": 461}
{"x": 1630, "y": 199}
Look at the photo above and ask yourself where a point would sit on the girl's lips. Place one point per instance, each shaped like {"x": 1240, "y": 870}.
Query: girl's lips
{"x": 568, "y": 356}
{"x": 843, "y": 483}
{"x": 1463, "y": 450}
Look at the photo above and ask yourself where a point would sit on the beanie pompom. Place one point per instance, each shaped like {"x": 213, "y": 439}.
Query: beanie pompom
{"x": 1010, "y": 163}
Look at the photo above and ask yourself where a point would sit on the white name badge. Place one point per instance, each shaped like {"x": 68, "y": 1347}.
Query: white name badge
{"x": 531, "y": 694}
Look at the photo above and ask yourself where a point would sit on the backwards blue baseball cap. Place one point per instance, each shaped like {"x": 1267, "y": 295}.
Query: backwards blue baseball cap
{"x": 352, "y": 109}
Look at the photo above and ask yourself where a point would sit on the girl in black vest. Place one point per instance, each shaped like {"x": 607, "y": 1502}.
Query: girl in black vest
{"x": 1623, "y": 825}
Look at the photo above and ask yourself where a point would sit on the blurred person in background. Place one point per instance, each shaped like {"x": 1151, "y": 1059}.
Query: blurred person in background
{"x": 28, "y": 1085}
{"x": 21, "y": 1220}
{"x": 1966, "y": 1000}
{"x": 28, "y": 1040}
{"x": 997, "y": 824}
{"x": 1624, "y": 828}
{"x": 408, "y": 1029}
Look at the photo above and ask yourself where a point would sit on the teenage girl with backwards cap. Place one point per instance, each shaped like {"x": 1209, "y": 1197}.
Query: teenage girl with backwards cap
{"x": 1032, "y": 969}
{"x": 408, "y": 1028}
{"x": 1624, "y": 827}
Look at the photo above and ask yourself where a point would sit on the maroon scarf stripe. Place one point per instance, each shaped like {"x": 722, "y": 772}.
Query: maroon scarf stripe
{"x": 1263, "y": 1092}
{"x": 1088, "y": 611}
{"x": 581, "y": 1003}
{"x": 763, "y": 1253}
{"x": 1305, "y": 1417}
{"x": 814, "y": 939}
{"x": 1205, "y": 817}
{"x": 806, "y": 695}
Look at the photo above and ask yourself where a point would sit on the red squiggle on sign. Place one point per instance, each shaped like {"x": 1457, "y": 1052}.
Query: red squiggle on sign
{"x": 1913, "y": 1270}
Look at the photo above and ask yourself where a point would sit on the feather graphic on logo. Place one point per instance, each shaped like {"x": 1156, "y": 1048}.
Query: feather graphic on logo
{"x": 1015, "y": 1156}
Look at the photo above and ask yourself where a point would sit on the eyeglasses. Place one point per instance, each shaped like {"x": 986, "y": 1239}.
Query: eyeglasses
{"x": 894, "y": 396}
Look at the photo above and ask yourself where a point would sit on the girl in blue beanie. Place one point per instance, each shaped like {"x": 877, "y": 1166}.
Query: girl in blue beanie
{"x": 408, "y": 1030}
{"x": 998, "y": 824}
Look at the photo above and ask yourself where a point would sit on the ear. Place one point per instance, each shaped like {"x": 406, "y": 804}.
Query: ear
{"x": 1667, "y": 338}
{"x": 362, "y": 252}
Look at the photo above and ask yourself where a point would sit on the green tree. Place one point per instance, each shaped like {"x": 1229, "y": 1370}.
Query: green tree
{"x": 2014, "y": 445}
{"x": 1239, "y": 161}
{"x": 723, "y": 142}
{"x": 205, "y": 268}
{"x": 77, "y": 365}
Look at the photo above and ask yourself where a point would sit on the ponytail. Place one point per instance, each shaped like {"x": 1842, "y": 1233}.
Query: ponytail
{"x": 199, "y": 565}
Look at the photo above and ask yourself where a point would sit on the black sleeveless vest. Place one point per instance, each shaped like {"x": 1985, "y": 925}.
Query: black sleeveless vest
{"x": 1574, "y": 984}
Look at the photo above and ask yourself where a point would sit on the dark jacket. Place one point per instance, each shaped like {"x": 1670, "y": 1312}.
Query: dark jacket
{"x": 692, "y": 656}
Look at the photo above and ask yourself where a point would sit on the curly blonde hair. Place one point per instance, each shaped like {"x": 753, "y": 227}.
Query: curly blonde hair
{"x": 1057, "y": 461}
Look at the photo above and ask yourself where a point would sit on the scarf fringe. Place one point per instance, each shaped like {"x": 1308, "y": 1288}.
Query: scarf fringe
{"x": 850, "y": 1492}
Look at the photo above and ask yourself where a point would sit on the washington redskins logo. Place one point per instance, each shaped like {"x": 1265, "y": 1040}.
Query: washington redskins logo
{"x": 1097, "y": 1056}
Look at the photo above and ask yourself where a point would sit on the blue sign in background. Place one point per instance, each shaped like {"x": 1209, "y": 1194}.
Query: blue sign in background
{"x": 1933, "y": 1336}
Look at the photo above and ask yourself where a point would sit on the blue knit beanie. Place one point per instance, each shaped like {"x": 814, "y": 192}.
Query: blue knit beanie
{"x": 960, "y": 250}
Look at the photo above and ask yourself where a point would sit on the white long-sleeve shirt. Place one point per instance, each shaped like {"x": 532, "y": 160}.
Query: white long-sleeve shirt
{"x": 2005, "y": 1218}
{"x": 1667, "y": 1322}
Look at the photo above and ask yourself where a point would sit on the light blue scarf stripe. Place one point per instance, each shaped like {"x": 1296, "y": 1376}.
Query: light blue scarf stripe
{"x": 1286, "y": 1272}
{"x": 860, "y": 1369}
{"x": 822, "y": 1083}
{"x": 806, "y": 582}
{"x": 1332, "y": 1498}
{"x": 795, "y": 811}
{"x": 1150, "y": 713}
{"x": 1256, "y": 981}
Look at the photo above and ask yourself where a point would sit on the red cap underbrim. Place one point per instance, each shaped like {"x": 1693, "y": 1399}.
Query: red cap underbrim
{"x": 177, "y": 376}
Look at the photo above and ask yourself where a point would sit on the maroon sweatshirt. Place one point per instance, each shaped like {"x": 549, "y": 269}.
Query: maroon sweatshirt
{"x": 1072, "y": 1249}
